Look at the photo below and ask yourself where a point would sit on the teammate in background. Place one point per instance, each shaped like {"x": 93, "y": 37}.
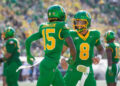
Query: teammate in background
{"x": 1, "y": 55}
{"x": 113, "y": 56}
{"x": 81, "y": 72}
{"x": 53, "y": 33}
{"x": 11, "y": 57}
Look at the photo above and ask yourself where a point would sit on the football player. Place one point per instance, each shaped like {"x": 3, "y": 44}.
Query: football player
{"x": 113, "y": 56}
{"x": 81, "y": 72}
{"x": 53, "y": 33}
{"x": 11, "y": 57}
{"x": 2, "y": 49}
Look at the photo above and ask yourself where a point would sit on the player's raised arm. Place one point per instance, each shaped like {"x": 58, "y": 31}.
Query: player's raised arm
{"x": 70, "y": 43}
{"x": 28, "y": 42}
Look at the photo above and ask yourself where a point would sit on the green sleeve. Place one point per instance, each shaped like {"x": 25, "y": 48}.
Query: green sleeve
{"x": 11, "y": 46}
{"x": 98, "y": 41}
{"x": 30, "y": 39}
{"x": 65, "y": 33}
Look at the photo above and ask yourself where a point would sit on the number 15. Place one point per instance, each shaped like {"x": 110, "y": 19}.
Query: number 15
{"x": 46, "y": 35}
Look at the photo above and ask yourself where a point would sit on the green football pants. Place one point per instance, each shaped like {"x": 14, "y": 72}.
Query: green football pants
{"x": 72, "y": 77}
{"x": 11, "y": 75}
{"x": 49, "y": 74}
{"x": 112, "y": 78}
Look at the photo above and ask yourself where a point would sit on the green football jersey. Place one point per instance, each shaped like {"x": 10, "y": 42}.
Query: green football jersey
{"x": 53, "y": 34}
{"x": 12, "y": 46}
{"x": 85, "y": 46}
{"x": 115, "y": 47}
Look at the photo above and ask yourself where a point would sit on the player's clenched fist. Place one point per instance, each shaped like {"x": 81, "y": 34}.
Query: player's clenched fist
{"x": 30, "y": 59}
{"x": 95, "y": 60}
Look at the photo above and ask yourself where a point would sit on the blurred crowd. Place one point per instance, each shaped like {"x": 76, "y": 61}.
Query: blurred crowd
{"x": 23, "y": 16}
{"x": 26, "y": 16}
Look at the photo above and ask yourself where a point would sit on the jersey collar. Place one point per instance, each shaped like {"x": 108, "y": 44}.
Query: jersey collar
{"x": 83, "y": 37}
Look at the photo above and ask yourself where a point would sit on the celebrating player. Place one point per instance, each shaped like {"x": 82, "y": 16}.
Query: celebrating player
{"x": 81, "y": 72}
{"x": 113, "y": 55}
{"x": 53, "y": 33}
{"x": 11, "y": 57}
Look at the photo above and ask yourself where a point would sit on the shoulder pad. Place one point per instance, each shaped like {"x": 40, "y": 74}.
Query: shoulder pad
{"x": 95, "y": 31}
{"x": 62, "y": 24}
{"x": 72, "y": 32}
{"x": 41, "y": 25}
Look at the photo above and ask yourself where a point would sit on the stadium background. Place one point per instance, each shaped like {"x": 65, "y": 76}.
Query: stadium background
{"x": 26, "y": 16}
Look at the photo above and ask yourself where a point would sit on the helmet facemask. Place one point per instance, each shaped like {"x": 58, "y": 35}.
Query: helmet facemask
{"x": 80, "y": 24}
{"x": 56, "y": 13}
{"x": 82, "y": 21}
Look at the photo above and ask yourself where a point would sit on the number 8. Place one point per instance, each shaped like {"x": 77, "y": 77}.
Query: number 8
{"x": 84, "y": 51}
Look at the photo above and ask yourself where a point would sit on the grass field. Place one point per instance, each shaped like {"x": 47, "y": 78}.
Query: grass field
{"x": 99, "y": 83}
